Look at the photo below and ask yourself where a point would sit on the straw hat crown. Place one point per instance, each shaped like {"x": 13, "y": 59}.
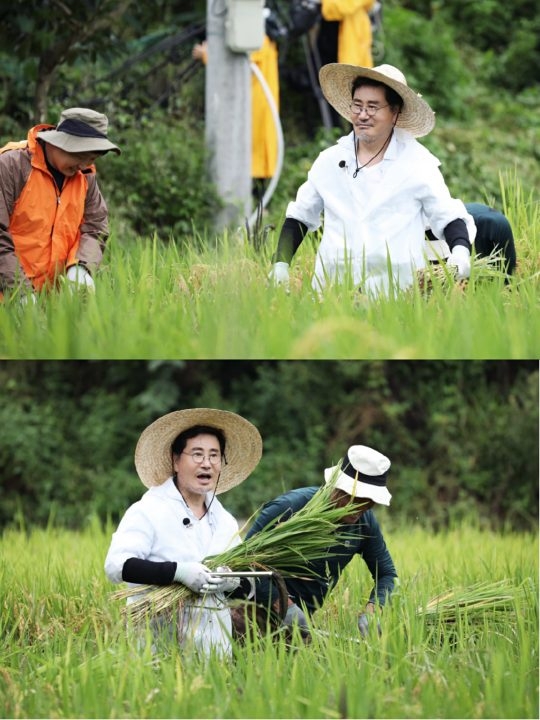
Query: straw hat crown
{"x": 243, "y": 445}
{"x": 336, "y": 81}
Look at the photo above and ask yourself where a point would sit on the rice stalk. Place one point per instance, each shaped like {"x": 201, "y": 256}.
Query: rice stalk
{"x": 442, "y": 275}
{"x": 286, "y": 546}
{"x": 474, "y": 602}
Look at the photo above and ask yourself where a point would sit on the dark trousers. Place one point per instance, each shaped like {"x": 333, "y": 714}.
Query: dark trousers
{"x": 493, "y": 233}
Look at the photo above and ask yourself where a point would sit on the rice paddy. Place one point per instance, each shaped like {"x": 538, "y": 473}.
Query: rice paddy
{"x": 460, "y": 639}
{"x": 196, "y": 298}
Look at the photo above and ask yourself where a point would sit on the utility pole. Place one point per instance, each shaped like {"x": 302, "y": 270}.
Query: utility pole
{"x": 228, "y": 119}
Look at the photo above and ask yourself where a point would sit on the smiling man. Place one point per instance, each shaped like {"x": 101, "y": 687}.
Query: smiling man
{"x": 53, "y": 218}
{"x": 376, "y": 189}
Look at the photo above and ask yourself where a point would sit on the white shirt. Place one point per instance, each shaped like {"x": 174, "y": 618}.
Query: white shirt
{"x": 153, "y": 529}
{"x": 385, "y": 209}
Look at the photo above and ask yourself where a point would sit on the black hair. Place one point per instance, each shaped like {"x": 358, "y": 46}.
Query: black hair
{"x": 180, "y": 441}
{"x": 393, "y": 98}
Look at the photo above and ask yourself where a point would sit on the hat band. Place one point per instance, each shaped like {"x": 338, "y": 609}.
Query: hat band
{"x": 348, "y": 469}
{"x": 80, "y": 129}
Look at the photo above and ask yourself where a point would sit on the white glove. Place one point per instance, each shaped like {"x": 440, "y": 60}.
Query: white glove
{"x": 195, "y": 576}
{"x": 279, "y": 274}
{"x": 80, "y": 277}
{"x": 461, "y": 260}
{"x": 226, "y": 584}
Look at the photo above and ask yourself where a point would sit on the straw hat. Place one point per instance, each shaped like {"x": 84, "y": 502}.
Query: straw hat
{"x": 362, "y": 474}
{"x": 337, "y": 79}
{"x": 80, "y": 130}
{"x": 243, "y": 445}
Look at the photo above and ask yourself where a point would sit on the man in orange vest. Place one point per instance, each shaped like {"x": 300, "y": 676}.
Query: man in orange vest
{"x": 53, "y": 218}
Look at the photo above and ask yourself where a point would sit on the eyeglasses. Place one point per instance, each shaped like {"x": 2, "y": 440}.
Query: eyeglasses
{"x": 198, "y": 457}
{"x": 370, "y": 110}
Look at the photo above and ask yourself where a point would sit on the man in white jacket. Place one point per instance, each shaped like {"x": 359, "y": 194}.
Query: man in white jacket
{"x": 375, "y": 189}
{"x": 186, "y": 458}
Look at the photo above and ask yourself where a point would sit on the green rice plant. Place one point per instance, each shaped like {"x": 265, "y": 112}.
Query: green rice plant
{"x": 209, "y": 297}
{"x": 71, "y": 656}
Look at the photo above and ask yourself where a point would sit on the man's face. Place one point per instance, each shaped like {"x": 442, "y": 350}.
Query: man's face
{"x": 198, "y": 466}
{"x": 370, "y": 128}
{"x": 357, "y": 505}
{"x": 358, "y": 508}
{"x": 69, "y": 163}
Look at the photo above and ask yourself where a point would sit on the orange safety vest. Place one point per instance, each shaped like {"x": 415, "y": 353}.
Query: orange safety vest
{"x": 45, "y": 224}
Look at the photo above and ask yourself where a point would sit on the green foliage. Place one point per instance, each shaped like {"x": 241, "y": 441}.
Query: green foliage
{"x": 426, "y": 51}
{"x": 462, "y": 436}
{"x": 159, "y": 184}
{"x": 133, "y": 61}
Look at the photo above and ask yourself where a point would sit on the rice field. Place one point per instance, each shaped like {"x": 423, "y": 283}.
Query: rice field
{"x": 64, "y": 652}
{"x": 209, "y": 298}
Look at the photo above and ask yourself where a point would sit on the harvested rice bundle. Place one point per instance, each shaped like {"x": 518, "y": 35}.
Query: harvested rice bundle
{"x": 444, "y": 276}
{"x": 474, "y": 602}
{"x": 286, "y": 546}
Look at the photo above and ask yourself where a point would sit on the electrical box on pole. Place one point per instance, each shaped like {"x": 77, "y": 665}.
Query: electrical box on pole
{"x": 244, "y": 25}
{"x": 234, "y": 28}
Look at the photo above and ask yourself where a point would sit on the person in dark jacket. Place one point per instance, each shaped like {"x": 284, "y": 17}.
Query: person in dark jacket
{"x": 360, "y": 479}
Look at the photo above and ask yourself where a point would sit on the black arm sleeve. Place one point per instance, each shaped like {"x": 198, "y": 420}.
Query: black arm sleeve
{"x": 148, "y": 572}
{"x": 290, "y": 238}
{"x": 455, "y": 233}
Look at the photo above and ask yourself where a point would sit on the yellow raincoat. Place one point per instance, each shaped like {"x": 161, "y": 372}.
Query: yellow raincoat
{"x": 354, "y": 36}
{"x": 264, "y": 138}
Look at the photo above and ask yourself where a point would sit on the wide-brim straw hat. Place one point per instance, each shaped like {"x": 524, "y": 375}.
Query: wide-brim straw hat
{"x": 80, "y": 130}
{"x": 337, "y": 79}
{"x": 243, "y": 445}
{"x": 362, "y": 474}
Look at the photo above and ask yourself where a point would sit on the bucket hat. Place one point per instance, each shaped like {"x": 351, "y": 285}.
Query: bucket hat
{"x": 336, "y": 81}
{"x": 80, "y": 130}
{"x": 362, "y": 473}
{"x": 243, "y": 445}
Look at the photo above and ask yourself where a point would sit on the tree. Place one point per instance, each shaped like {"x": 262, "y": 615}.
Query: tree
{"x": 44, "y": 34}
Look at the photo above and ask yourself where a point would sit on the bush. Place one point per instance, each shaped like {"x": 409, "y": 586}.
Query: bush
{"x": 426, "y": 51}
{"x": 159, "y": 184}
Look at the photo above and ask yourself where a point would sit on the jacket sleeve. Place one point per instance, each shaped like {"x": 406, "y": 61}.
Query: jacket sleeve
{"x": 94, "y": 228}
{"x": 379, "y": 562}
{"x": 281, "y": 507}
{"x": 13, "y": 177}
{"x": 132, "y": 539}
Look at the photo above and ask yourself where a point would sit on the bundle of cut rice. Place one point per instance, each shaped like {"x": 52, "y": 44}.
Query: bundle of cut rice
{"x": 286, "y": 546}
{"x": 444, "y": 276}
{"x": 473, "y": 602}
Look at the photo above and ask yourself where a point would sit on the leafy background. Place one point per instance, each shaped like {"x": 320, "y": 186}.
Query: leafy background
{"x": 476, "y": 62}
{"x": 462, "y": 435}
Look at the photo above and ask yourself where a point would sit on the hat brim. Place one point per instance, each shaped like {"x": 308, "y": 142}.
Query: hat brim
{"x": 77, "y": 144}
{"x": 243, "y": 445}
{"x": 336, "y": 80}
{"x": 356, "y": 488}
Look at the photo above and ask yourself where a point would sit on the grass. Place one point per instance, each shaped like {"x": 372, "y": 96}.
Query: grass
{"x": 210, "y": 299}
{"x": 64, "y": 652}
